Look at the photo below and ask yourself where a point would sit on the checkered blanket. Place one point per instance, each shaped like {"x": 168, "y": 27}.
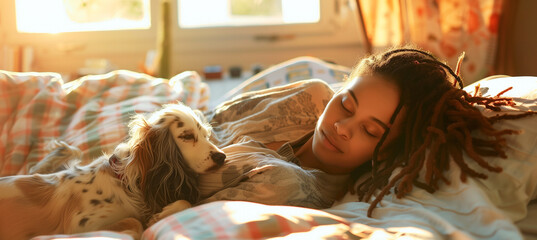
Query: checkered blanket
{"x": 91, "y": 112}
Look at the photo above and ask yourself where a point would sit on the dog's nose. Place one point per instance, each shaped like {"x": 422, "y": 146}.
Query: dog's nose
{"x": 218, "y": 157}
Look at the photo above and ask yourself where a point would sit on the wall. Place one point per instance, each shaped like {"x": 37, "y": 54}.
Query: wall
{"x": 65, "y": 58}
{"x": 58, "y": 53}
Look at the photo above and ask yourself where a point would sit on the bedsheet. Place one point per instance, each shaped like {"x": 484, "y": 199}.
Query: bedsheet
{"x": 472, "y": 209}
{"x": 34, "y": 106}
{"x": 91, "y": 112}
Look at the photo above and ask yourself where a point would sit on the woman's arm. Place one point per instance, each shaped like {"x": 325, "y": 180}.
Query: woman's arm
{"x": 279, "y": 183}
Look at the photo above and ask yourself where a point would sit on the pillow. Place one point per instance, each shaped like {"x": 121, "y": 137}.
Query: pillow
{"x": 512, "y": 189}
{"x": 293, "y": 70}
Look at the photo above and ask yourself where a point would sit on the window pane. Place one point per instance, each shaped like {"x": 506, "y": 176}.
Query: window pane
{"x": 253, "y": 8}
{"x": 53, "y": 16}
{"x": 196, "y": 13}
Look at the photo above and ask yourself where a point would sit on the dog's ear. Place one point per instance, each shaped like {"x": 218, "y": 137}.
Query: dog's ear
{"x": 140, "y": 159}
{"x": 200, "y": 115}
{"x": 164, "y": 175}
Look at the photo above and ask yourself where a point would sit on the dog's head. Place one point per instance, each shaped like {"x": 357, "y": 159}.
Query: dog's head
{"x": 191, "y": 133}
{"x": 166, "y": 152}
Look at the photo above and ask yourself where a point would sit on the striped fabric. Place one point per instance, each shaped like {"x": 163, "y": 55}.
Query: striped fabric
{"x": 91, "y": 113}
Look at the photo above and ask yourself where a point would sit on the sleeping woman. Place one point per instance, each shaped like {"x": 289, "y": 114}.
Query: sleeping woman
{"x": 304, "y": 145}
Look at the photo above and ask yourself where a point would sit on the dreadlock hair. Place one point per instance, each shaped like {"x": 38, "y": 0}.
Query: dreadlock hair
{"x": 438, "y": 120}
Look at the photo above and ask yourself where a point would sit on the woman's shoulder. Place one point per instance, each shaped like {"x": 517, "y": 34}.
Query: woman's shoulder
{"x": 310, "y": 83}
{"x": 317, "y": 86}
{"x": 277, "y": 114}
{"x": 305, "y": 92}
{"x": 302, "y": 92}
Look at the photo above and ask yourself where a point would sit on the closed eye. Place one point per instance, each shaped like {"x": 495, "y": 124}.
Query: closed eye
{"x": 345, "y": 108}
{"x": 367, "y": 132}
{"x": 372, "y": 130}
{"x": 345, "y": 103}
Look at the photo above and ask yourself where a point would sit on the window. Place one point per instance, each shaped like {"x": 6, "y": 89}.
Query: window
{"x": 199, "y": 24}
{"x": 195, "y": 13}
{"x": 210, "y": 25}
{"x": 64, "y": 33}
{"x": 55, "y": 16}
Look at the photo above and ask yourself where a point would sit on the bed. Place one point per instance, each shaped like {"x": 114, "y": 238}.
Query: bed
{"x": 92, "y": 112}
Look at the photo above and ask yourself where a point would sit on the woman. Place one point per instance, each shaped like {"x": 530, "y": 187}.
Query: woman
{"x": 400, "y": 109}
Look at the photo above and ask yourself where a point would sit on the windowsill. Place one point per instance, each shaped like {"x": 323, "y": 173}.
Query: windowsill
{"x": 219, "y": 87}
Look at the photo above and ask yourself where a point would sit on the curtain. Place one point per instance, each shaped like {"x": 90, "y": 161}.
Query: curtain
{"x": 444, "y": 27}
{"x": 505, "y": 59}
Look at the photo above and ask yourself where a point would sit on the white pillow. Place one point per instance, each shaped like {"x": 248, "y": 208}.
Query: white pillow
{"x": 512, "y": 189}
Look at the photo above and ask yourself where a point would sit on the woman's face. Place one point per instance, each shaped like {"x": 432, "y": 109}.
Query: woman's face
{"x": 353, "y": 123}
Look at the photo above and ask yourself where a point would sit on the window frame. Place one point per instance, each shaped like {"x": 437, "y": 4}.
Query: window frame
{"x": 69, "y": 41}
{"x": 199, "y": 39}
{"x": 327, "y": 32}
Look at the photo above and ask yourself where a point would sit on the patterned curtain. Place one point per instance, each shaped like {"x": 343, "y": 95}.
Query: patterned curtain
{"x": 444, "y": 27}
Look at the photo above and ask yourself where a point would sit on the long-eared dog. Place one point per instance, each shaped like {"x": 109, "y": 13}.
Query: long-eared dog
{"x": 157, "y": 166}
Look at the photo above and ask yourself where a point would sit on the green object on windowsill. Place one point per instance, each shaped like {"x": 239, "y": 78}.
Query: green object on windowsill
{"x": 164, "y": 44}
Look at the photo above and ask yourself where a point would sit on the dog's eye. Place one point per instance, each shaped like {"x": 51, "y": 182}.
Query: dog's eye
{"x": 187, "y": 136}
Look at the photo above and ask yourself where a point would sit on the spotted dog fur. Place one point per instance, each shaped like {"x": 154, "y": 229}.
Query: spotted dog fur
{"x": 157, "y": 167}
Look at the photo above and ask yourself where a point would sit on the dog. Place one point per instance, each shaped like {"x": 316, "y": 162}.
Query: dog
{"x": 156, "y": 167}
